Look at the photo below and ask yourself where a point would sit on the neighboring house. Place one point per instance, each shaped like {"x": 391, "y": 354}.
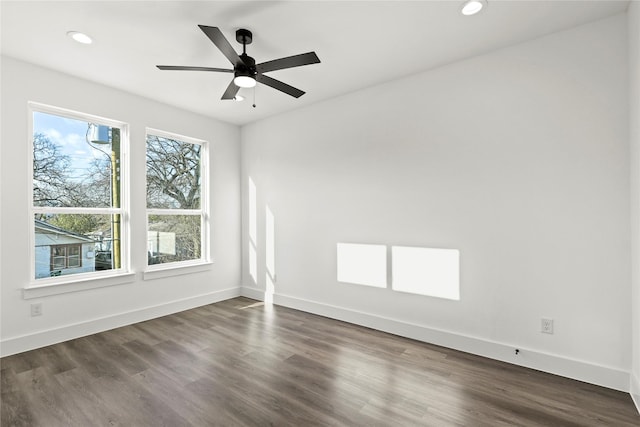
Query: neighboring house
{"x": 60, "y": 252}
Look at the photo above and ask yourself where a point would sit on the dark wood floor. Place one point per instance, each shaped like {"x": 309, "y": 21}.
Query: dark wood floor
{"x": 239, "y": 363}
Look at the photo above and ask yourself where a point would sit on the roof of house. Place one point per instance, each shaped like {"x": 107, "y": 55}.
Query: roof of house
{"x": 48, "y": 228}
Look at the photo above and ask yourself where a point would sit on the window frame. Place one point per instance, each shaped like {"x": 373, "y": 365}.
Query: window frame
{"x": 78, "y": 281}
{"x": 153, "y": 271}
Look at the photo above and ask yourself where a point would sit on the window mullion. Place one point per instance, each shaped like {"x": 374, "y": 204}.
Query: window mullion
{"x": 76, "y": 210}
{"x": 193, "y": 212}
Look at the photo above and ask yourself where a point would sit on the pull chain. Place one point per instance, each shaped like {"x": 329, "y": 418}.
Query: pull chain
{"x": 254, "y": 96}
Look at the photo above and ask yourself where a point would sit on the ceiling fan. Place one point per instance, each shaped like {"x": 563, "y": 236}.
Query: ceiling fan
{"x": 246, "y": 72}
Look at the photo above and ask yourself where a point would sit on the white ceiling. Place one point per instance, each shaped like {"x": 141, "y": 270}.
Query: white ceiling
{"x": 360, "y": 43}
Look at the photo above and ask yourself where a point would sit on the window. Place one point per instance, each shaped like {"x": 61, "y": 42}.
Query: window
{"x": 77, "y": 194}
{"x": 176, "y": 203}
{"x": 65, "y": 256}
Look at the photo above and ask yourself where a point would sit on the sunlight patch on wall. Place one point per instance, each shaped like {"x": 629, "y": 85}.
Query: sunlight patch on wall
{"x": 253, "y": 227}
{"x": 270, "y": 249}
{"x": 270, "y": 241}
{"x": 253, "y": 220}
{"x": 426, "y": 271}
{"x": 253, "y": 263}
{"x": 269, "y": 290}
{"x": 362, "y": 264}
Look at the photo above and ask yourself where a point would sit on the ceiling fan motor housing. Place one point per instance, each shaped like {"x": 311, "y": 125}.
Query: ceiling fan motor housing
{"x": 247, "y": 68}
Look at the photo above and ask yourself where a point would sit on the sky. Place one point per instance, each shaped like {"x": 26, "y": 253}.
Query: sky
{"x": 70, "y": 135}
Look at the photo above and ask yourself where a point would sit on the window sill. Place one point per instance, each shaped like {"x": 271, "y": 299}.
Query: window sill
{"x": 37, "y": 290}
{"x": 158, "y": 272}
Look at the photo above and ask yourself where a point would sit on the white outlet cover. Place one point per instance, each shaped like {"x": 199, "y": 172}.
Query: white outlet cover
{"x": 546, "y": 326}
{"x": 36, "y": 309}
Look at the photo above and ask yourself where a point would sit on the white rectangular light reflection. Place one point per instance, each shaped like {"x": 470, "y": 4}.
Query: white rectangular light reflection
{"x": 253, "y": 219}
{"x": 426, "y": 271}
{"x": 362, "y": 264}
{"x": 270, "y": 242}
{"x": 253, "y": 263}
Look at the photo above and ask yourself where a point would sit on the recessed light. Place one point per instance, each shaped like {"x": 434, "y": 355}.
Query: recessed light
{"x": 80, "y": 37}
{"x": 471, "y": 7}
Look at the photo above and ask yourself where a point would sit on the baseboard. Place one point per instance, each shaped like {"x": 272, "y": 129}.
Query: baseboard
{"x": 635, "y": 390}
{"x": 39, "y": 339}
{"x": 252, "y": 293}
{"x": 554, "y": 364}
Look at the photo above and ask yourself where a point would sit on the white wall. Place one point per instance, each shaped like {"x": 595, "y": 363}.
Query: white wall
{"x": 80, "y": 313}
{"x": 634, "y": 115}
{"x": 518, "y": 158}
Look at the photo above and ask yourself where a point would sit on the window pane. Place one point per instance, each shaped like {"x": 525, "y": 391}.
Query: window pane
{"x": 58, "y": 262}
{"x": 79, "y": 243}
{"x": 59, "y": 251}
{"x": 75, "y": 163}
{"x": 173, "y": 238}
{"x": 73, "y": 261}
{"x": 173, "y": 174}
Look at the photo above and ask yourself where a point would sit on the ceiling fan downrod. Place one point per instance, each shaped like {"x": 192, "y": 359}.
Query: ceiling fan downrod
{"x": 245, "y": 37}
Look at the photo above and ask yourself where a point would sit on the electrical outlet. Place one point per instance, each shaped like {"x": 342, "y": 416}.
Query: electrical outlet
{"x": 36, "y": 309}
{"x": 546, "y": 326}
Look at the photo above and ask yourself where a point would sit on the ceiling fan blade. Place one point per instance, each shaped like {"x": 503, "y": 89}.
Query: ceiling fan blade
{"x": 288, "y": 62}
{"x": 231, "y": 91}
{"x": 216, "y": 36}
{"x": 277, "y": 84}
{"x": 181, "y": 68}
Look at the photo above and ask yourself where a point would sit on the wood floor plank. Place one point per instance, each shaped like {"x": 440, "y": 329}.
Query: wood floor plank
{"x": 86, "y": 393}
{"x": 173, "y": 394}
{"x": 16, "y": 411}
{"x": 48, "y": 402}
{"x": 243, "y": 363}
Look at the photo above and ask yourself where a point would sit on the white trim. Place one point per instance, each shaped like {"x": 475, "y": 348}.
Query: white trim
{"x": 75, "y": 210}
{"x": 205, "y": 202}
{"x": 192, "y": 212}
{"x": 571, "y": 368}
{"x": 253, "y": 293}
{"x": 29, "y": 206}
{"x": 635, "y": 390}
{"x": 83, "y": 279}
{"x": 175, "y": 269}
{"x": 175, "y": 136}
{"x": 56, "y": 335}
{"x": 72, "y": 114}
{"x": 75, "y": 283}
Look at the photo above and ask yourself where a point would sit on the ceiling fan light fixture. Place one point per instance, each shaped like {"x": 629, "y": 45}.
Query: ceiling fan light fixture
{"x": 238, "y": 98}
{"x": 244, "y": 81}
{"x": 80, "y": 37}
{"x": 472, "y": 7}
